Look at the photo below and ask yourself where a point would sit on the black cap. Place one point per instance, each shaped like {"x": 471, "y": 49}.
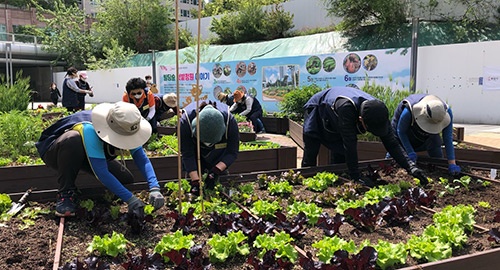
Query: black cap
{"x": 375, "y": 116}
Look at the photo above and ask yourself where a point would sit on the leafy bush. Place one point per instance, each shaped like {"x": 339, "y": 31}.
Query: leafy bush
{"x": 16, "y": 96}
{"x": 251, "y": 23}
{"x": 19, "y": 131}
{"x": 293, "y": 102}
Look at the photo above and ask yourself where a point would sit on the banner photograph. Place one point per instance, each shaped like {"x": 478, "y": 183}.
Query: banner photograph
{"x": 270, "y": 79}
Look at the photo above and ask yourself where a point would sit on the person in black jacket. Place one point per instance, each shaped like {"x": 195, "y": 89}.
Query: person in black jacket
{"x": 71, "y": 90}
{"x": 55, "y": 94}
{"x": 250, "y": 107}
{"x": 83, "y": 84}
{"x": 219, "y": 142}
{"x": 334, "y": 117}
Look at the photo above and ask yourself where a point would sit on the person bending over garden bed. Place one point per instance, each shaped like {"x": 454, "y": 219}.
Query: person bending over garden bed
{"x": 91, "y": 141}
{"x": 334, "y": 117}
{"x": 417, "y": 122}
{"x": 219, "y": 142}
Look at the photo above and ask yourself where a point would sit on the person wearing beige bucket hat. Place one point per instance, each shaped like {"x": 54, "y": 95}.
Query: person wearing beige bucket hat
{"x": 90, "y": 141}
{"x": 418, "y": 122}
{"x": 166, "y": 106}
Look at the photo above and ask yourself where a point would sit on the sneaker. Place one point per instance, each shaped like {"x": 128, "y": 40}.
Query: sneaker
{"x": 66, "y": 204}
{"x": 262, "y": 131}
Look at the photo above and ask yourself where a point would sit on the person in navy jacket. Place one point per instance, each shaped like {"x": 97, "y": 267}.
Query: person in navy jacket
{"x": 219, "y": 142}
{"x": 418, "y": 121}
{"x": 334, "y": 117}
{"x": 90, "y": 141}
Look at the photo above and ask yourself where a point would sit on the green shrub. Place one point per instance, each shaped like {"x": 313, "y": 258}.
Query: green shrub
{"x": 293, "y": 102}
{"x": 19, "y": 131}
{"x": 16, "y": 96}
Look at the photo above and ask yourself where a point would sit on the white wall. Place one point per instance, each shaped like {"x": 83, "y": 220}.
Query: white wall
{"x": 452, "y": 72}
{"x": 109, "y": 85}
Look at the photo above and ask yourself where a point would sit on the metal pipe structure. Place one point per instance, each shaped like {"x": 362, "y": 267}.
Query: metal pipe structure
{"x": 414, "y": 54}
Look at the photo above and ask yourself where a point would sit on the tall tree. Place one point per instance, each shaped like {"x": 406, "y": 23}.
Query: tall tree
{"x": 65, "y": 33}
{"x": 139, "y": 25}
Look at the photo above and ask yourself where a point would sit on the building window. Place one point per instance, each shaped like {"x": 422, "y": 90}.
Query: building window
{"x": 185, "y": 13}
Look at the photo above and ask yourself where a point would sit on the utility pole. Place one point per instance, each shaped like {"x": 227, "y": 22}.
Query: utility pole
{"x": 414, "y": 54}
{"x": 153, "y": 64}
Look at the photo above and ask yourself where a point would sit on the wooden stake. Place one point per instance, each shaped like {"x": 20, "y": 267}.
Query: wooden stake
{"x": 57, "y": 256}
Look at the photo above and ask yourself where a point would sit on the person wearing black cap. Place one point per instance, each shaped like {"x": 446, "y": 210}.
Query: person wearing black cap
{"x": 219, "y": 142}
{"x": 417, "y": 122}
{"x": 334, "y": 117}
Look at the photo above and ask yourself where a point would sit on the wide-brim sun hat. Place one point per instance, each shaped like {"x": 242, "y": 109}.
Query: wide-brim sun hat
{"x": 431, "y": 114}
{"x": 83, "y": 74}
{"x": 221, "y": 96}
{"x": 121, "y": 125}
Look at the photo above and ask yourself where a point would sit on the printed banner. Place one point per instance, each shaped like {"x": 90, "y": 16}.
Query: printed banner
{"x": 491, "y": 79}
{"x": 270, "y": 79}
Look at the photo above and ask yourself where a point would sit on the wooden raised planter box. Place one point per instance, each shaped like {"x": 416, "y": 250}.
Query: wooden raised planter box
{"x": 276, "y": 125}
{"x": 244, "y": 136}
{"x": 166, "y": 130}
{"x": 366, "y": 150}
{"x": 376, "y": 150}
{"x": 43, "y": 180}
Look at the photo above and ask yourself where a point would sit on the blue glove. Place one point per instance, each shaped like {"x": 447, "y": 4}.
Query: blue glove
{"x": 413, "y": 156}
{"x": 156, "y": 199}
{"x": 454, "y": 169}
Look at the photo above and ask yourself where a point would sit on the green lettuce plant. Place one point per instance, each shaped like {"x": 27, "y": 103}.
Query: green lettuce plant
{"x": 173, "y": 241}
{"x": 280, "y": 241}
{"x": 311, "y": 210}
{"x": 111, "y": 246}
{"x": 224, "y": 247}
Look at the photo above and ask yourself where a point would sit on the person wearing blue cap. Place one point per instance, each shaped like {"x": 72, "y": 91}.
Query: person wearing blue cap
{"x": 334, "y": 117}
{"x": 219, "y": 142}
{"x": 418, "y": 121}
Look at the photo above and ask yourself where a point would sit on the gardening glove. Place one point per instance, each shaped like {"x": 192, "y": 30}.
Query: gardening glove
{"x": 412, "y": 156}
{"x": 454, "y": 169}
{"x": 212, "y": 178}
{"x": 155, "y": 198}
{"x": 366, "y": 181}
{"x": 195, "y": 187}
{"x": 420, "y": 175}
{"x": 135, "y": 206}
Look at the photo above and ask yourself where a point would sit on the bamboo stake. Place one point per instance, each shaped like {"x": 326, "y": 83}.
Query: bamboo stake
{"x": 198, "y": 93}
{"x": 179, "y": 114}
{"x": 57, "y": 256}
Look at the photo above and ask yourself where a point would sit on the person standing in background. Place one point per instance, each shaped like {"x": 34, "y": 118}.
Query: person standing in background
{"x": 71, "y": 90}
{"x": 150, "y": 85}
{"x": 55, "y": 94}
{"x": 83, "y": 84}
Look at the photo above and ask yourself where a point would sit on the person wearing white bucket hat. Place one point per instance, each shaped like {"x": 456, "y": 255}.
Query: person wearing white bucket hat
{"x": 91, "y": 141}
{"x": 418, "y": 121}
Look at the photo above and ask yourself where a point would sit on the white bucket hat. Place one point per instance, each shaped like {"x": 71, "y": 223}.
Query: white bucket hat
{"x": 121, "y": 125}
{"x": 431, "y": 114}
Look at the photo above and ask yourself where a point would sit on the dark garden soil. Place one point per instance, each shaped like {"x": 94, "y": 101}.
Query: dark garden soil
{"x": 34, "y": 247}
